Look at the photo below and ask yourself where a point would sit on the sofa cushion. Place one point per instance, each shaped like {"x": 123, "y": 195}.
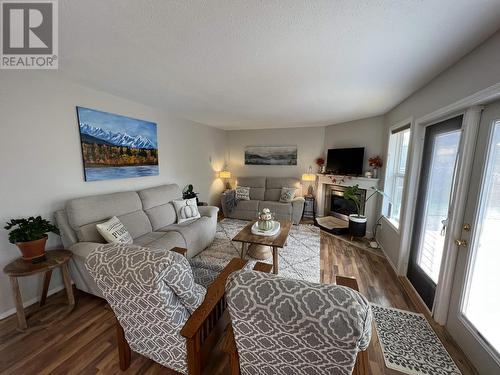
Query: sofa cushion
{"x": 278, "y": 208}
{"x": 157, "y": 204}
{"x": 84, "y": 213}
{"x": 242, "y": 193}
{"x": 186, "y": 209}
{"x": 287, "y": 194}
{"x": 114, "y": 231}
{"x": 257, "y": 186}
{"x": 137, "y": 223}
{"x": 274, "y": 185}
{"x": 196, "y": 233}
{"x": 98, "y": 208}
{"x": 161, "y": 240}
{"x": 247, "y": 206}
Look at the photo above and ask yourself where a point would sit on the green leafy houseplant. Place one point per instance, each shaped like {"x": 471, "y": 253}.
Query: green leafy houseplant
{"x": 357, "y": 222}
{"x": 188, "y": 193}
{"x": 30, "y": 235}
{"x": 352, "y": 193}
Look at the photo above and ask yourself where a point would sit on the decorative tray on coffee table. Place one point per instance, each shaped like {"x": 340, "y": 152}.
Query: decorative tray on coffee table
{"x": 272, "y": 232}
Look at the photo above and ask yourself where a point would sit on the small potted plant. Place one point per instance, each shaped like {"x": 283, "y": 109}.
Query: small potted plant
{"x": 357, "y": 222}
{"x": 188, "y": 193}
{"x": 30, "y": 236}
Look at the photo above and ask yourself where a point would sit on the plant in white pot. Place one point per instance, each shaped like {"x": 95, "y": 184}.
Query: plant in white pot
{"x": 357, "y": 222}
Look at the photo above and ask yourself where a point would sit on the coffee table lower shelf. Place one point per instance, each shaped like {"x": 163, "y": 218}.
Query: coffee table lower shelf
{"x": 247, "y": 238}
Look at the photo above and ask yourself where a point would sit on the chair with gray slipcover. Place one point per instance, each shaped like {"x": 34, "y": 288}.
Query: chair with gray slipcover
{"x": 163, "y": 310}
{"x": 284, "y": 326}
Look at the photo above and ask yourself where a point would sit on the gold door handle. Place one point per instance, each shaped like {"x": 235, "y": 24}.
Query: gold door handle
{"x": 461, "y": 242}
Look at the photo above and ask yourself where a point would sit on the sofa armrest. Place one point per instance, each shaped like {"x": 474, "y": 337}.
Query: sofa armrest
{"x": 83, "y": 249}
{"x": 298, "y": 200}
{"x": 209, "y": 211}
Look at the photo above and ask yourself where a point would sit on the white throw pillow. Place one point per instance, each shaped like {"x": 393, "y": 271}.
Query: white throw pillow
{"x": 114, "y": 231}
{"x": 287, "y": 194}
{"x": 242, "y": 193}
{"x": 186, "y": 209}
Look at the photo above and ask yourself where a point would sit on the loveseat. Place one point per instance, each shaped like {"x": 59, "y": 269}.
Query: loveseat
{"x": 264, "y": 193}
{"x": 148, "y": 215}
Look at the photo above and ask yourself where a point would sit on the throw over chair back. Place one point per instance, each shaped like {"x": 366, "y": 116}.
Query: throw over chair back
{"x": 152, "y": 293}
{"x": 284, "y": 326}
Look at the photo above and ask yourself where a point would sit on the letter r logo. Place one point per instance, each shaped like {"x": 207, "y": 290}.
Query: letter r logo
{"x": 27, "y": 28}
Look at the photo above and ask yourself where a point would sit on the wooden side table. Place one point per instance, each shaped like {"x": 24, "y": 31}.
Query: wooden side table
{"x": 20, "y": 268}
{"x": 309, "y": 209}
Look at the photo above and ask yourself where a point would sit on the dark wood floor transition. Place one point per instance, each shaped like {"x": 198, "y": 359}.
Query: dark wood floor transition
{"x": 84, "y": 342}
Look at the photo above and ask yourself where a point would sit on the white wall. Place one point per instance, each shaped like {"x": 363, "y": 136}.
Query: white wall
{"x": 41, "y": 162}
{"x": 309, "y": 142}
{"x": 312, "y": 142}
{"x": 474, "y": 72}
{"x": 368, "y": 133}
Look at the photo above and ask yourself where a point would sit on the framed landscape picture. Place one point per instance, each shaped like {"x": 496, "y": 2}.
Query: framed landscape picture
{"x": 271, "y": 155}
{"x": 115, "y": 146}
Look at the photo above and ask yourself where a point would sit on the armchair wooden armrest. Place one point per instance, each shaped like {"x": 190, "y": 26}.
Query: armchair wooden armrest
{"x": 208, "y": 322}
{"x": 361, "y": 366}
{"x": 180, "y": 250}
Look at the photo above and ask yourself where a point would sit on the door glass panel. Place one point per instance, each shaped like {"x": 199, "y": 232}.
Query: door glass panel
{"x": 480, "y": 306}
{"x": 441, "y": 173}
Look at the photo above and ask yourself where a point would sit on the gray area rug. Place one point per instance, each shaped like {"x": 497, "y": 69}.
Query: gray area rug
{"x": 409, "y": 343}
{"x": 299, "y": 259}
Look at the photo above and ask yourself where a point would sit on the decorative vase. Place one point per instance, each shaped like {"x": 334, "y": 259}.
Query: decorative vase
{"x": 357, "y": 225}
{"x": 375, "y": 173}
{"x": 265, "y": 221}
{"x": 265, "y": 225}
{"x": 33, "y": 251}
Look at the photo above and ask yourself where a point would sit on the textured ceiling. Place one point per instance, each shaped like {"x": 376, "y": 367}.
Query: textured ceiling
{"x": 241, "y": 64}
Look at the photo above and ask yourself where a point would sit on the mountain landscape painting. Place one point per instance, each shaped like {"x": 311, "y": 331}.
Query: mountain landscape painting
{"x": 271, "y": 155}
{"x": 115, "y": 146}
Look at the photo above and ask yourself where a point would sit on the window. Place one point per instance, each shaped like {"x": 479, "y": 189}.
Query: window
{"x": 397, "y": 154}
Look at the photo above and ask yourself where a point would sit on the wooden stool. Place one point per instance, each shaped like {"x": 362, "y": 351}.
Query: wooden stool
{"x": 21, "y": 268}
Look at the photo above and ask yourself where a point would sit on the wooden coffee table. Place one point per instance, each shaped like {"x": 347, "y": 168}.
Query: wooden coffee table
{"x": 246, "y": 237}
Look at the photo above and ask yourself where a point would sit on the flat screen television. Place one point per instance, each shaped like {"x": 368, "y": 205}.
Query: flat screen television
{"x": 345, "y": 161}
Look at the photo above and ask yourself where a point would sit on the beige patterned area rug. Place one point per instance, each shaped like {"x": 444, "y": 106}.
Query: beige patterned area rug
{"x": 299, "y": 259}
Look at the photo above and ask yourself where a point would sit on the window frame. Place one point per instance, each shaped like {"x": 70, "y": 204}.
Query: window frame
{"x": 393, "y": 171}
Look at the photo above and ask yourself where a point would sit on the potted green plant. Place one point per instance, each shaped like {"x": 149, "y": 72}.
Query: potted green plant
{"x": 30, "y": 236}
{"x": 357, "y": 222}
{"x": 189, "y": 193}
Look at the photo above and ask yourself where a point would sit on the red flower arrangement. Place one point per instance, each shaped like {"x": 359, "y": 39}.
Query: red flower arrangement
{"x": 320, "y": 162}
{"x": 375, "y": 162}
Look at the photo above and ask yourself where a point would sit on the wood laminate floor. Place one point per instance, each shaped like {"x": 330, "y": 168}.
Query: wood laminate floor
{"x": 84, "y": 342}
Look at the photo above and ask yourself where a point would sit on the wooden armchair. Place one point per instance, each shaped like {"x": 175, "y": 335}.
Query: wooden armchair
{"x": 288, "y": 344}
{"x": 161, "y": 313}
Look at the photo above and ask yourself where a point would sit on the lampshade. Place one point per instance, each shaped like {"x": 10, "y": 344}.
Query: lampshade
{"x": 308, "y": 177}
{"x": 225, "y": 174}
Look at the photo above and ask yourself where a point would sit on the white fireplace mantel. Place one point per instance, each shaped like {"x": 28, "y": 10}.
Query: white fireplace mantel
{"x": 324, "y": 180}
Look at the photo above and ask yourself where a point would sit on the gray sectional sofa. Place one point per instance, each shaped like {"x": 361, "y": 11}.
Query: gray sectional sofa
{"x": 264, "y": 193}
{"x": 148, "y": 215}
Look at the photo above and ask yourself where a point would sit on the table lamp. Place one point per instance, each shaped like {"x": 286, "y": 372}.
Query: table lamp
{"x": 309, "y": 177}
{"x": 225, "y": 175}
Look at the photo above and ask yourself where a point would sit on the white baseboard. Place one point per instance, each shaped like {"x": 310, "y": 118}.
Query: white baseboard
{"x": 389, "y": 259}
{"x": 30, "y": 302}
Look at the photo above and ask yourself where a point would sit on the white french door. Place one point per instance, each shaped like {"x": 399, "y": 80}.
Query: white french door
{"x": 473, "y": 317}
